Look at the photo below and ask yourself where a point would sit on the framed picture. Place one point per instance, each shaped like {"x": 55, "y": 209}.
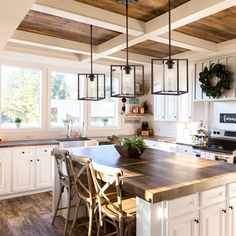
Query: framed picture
{"x": 135, "y": 109}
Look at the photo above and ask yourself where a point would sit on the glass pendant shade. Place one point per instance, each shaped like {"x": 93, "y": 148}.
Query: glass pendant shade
{"x": 169, "y": 78}
{"x": 91, "y": 89}
{"x": 127, "y": 83}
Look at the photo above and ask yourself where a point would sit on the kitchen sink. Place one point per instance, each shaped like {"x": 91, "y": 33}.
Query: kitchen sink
{"x": 69, "y": 142}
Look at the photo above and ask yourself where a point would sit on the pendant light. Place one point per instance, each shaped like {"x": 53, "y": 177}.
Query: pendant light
{"x": 127, "y": 81}
{"x": 169, "y": 76}
{"x": 91, "y": 87}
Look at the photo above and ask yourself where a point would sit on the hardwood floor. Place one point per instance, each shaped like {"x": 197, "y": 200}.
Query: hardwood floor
{"x": 31, "y": 215}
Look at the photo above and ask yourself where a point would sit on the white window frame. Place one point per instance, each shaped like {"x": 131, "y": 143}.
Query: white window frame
{"x": 99, "y": 128}
{"x": 43, "y": 92}
{"x": 59, "y": 70}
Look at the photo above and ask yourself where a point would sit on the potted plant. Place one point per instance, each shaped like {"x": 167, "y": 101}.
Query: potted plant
{"x": 18, "y": 121}
{"x": 132, "y": 147}
{"x": 104, "y": 120}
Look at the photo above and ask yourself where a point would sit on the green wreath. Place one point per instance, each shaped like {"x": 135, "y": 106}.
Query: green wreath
{"x": 223, "y": 84}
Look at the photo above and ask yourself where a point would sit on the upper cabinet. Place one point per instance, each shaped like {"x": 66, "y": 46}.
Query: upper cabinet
{"x": 230, "y": 63}
{"x": 175, "y": 108}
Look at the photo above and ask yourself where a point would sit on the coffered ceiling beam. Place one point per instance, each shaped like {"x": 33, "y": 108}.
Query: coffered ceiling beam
{"x": 182, "y": 15}
{"x": 11, "y": 16}
{"x": 87, "y": 14}
{"x": 186, "y": 41}
{"x": 50, "y": 43}
{"x": 43, "y": 41}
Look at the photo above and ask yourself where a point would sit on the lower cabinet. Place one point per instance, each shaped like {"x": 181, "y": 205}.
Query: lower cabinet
{"x": 208, "y": 213}
{"x": 44, "y": 171}
{"x": 187, "y": 225}
{"x": 232, "y": 217}
{"x": 5, "y": 171}
{"x": 23, "y": 173}
{"x": 213, "y": 220}
{"x": 25, "y": 169}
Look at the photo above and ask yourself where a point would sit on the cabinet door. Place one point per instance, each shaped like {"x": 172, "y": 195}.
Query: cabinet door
{"x": 23, "y": 173}
{"x": 170, "y": 108}
{"x": 214, "y": 220}
{"x": 187, "y": 225}
{"x": 44, "y": 171}
{"x": 5, "y": 173}
{"x": 159, "y": 107}
{"x": 232, "y": 217}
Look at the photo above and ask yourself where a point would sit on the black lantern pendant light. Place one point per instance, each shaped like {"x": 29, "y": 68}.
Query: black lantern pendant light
{"x": 127, "y": 81}
{"x": 91, "y": 87}
{"x": 169, "y": 76}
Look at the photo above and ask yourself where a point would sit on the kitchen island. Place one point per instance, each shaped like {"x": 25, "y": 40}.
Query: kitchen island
{"x": 176, "y": 194}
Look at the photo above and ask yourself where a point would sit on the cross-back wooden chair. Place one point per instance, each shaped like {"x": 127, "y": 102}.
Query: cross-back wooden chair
{"x": 118, "y": 211}
{"x": 85, "y": 190}
{"x": 66, "y": 181}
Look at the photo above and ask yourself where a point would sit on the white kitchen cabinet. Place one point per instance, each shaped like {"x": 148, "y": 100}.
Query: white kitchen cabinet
{"x": 44, "y": 167}
{"x": 5, "y": 171}
{"x": 184, "y": 149}
{"x": 187, "y": 225}
{"x": 213, "y": 220}
{"x": 232, "y": 217}
{"x": 23, "y": 173}
{"x": 171, "y": 104}
{"x": 163, "y": 146}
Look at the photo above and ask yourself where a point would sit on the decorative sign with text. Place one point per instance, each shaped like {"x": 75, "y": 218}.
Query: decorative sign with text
{"x": 228, "y": 118}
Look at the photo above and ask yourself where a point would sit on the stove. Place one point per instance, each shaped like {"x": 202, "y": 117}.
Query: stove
{"x": 221, "y": 146}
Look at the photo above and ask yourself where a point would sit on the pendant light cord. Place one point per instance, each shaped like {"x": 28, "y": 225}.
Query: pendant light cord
{"x": 169, "y": 29}
{"x": 91, "y": 48}
{"x": 127, "y": 32}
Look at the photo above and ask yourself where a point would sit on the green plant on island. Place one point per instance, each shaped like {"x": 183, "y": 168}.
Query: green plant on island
{"x": 134, "y": 143}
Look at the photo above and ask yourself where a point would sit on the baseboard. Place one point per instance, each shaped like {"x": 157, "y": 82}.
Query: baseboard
{"x": 13, "y": 195}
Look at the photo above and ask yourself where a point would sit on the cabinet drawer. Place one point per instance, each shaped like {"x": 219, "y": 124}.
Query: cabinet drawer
{"x": 188, "y": 150}
{"x": 183, "y": 205}
{"x": 5, "y": 153}
{"x": 232, "y": 190}
{"x": 44, "y": 150}
{"x": 23, "y": 152}
{"x": 213, "y": 196}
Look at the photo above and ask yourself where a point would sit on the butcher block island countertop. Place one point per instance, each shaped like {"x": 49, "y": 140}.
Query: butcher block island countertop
{"x": 158, "y": 176}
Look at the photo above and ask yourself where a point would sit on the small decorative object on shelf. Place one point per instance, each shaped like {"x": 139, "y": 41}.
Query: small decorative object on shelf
{"x": 18, "y": 121}
{"x": 222, "y": 75}
{"x": 145, "y": 106}
{"x": 135, "y": 110}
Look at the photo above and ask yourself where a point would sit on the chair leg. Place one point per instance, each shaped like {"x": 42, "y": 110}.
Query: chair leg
{"x": 90, "y": 220}
{"x": 58, "y": 203}
{"x": 121, "y": 230}
{"x": 75, "y": 216}
{"x": 68, "y": 212}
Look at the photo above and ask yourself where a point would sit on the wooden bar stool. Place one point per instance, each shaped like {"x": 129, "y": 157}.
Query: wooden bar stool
{"x": 119, "y": 211}
{"x": 66, "y": 181}
{"x": 85, "y": 190}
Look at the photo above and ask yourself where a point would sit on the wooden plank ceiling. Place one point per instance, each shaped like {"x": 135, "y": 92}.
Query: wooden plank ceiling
{"x": 44, "y": 24}
{"x": 144, "y": 10}
{"x": 217, "y": 28}
{"x": 155, "y": 49}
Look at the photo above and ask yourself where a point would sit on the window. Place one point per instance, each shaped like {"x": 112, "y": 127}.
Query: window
{"x": 105, "y": 112}
{"x": 20, "y": 96}
{"x": 64, "y": 95}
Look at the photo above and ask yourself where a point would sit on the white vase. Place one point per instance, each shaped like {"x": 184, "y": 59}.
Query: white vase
{"x": 18, "y": 125}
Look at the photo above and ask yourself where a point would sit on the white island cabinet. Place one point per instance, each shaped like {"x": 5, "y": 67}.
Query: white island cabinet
{"x": 208, "y": 213}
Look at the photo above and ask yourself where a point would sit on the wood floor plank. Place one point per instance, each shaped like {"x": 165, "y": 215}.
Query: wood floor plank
{"x": 32, "y": 216}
